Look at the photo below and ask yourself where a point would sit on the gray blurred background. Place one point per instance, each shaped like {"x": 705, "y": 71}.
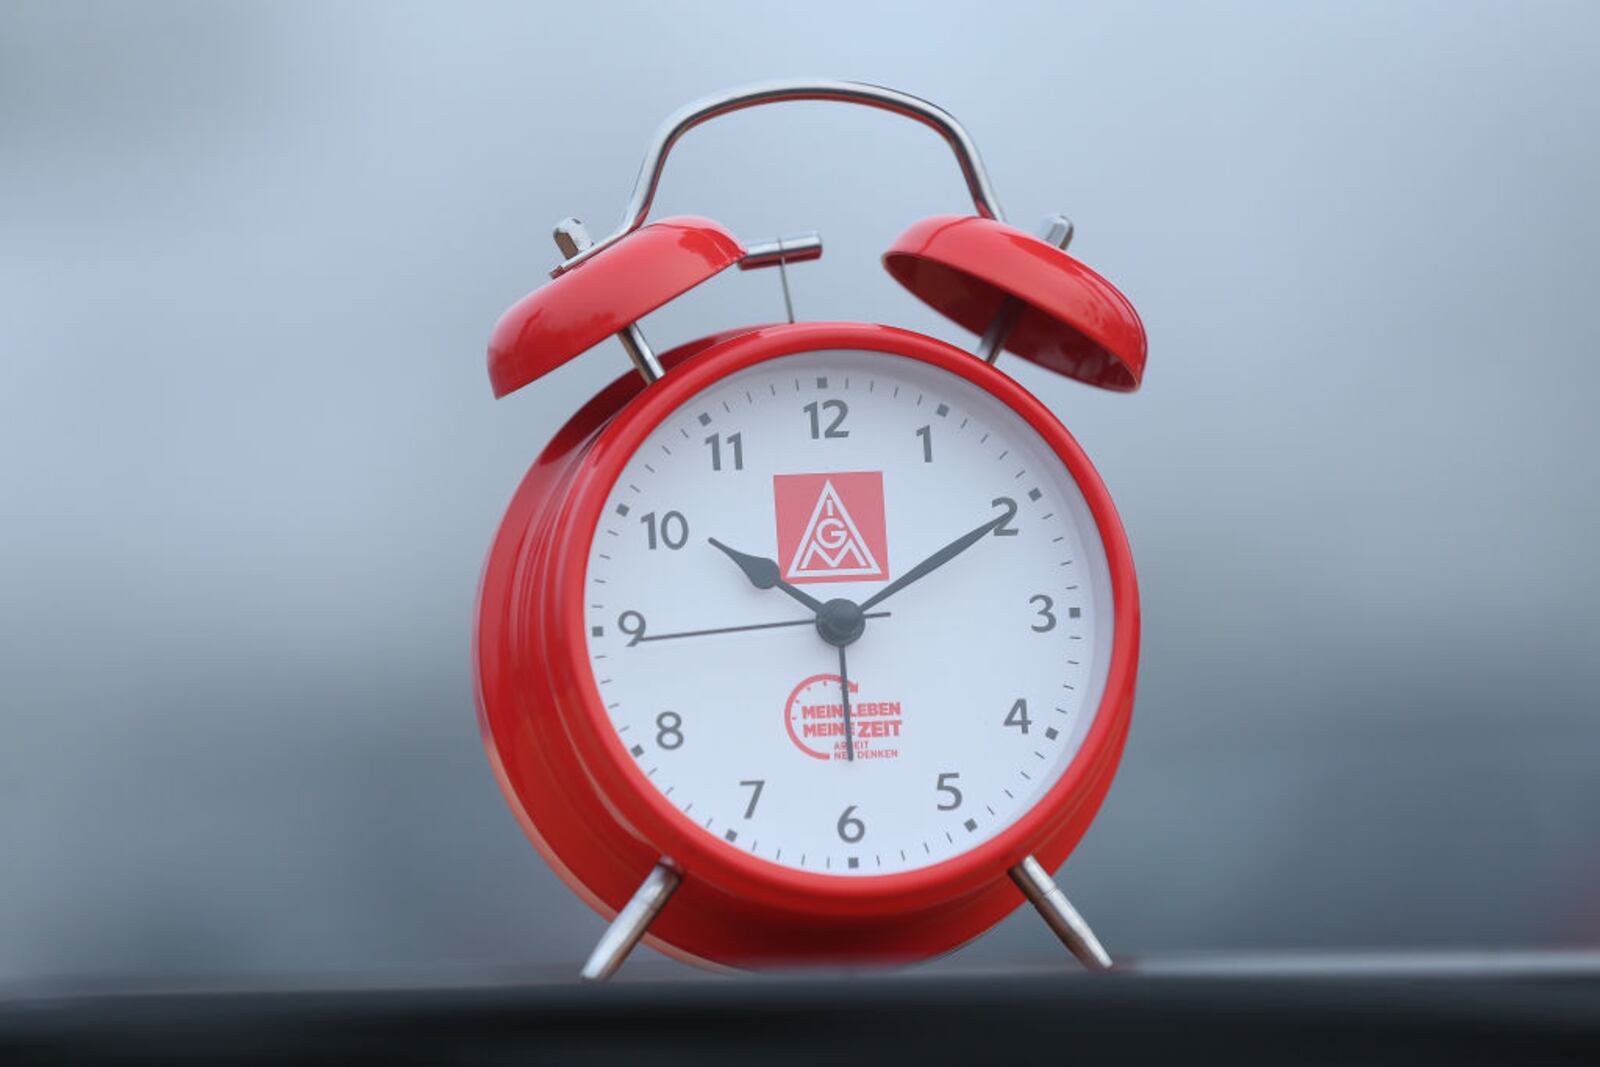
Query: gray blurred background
{"x": 249, "y": 462}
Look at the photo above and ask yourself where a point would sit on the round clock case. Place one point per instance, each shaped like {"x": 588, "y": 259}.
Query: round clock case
{"x": 589, "y": 808}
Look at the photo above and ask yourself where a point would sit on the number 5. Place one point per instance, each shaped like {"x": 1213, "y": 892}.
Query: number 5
{"x": 944, "y": 786}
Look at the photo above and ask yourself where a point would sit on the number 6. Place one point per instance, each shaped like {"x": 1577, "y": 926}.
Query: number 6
{"x": 851, "y": 829}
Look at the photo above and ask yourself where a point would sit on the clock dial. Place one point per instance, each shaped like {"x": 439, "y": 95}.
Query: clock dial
{"x": 848, "y": 612}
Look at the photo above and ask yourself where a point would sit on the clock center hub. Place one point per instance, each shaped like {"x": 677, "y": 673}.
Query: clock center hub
{"x": 841, "y": 621}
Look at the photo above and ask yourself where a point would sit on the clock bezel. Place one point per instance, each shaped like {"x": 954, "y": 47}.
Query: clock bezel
{"x": 651, "y": 817}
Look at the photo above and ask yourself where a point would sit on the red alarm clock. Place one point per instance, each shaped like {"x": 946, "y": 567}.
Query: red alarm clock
{"x": 812, "y": 642}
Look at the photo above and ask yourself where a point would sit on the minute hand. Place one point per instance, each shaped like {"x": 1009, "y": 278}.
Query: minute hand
{"x": 938, "y": 559}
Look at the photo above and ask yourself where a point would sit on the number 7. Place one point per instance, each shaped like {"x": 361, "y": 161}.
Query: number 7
{"x": 756, "y": 785}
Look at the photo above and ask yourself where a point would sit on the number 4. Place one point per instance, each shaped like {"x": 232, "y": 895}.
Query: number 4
{"x": 1018, "y": 715}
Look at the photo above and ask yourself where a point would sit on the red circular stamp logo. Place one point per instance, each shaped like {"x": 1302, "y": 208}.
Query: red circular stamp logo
{"x": 814, "y": 715}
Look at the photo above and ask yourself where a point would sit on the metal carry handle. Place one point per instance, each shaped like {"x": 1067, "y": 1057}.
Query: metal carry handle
{"x": 984, "y": 201}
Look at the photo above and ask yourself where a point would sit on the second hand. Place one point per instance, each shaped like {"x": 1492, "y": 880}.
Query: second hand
{"x": 739, "y": 629}
{"x": 844, "y": 695}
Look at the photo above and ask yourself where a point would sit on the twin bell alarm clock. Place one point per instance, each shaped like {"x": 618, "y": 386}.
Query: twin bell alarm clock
{"x": 812, "y": 642}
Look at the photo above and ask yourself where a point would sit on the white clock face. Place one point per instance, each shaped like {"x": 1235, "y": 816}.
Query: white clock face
{"x": 967, "y": 626}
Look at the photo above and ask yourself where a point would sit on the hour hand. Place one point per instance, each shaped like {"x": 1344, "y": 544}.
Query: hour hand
{"x": 763, "y": 573}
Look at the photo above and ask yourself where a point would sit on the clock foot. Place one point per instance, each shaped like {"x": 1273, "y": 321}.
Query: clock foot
{"x": 631, "y": 923}
{"x": 1059, "y": 914}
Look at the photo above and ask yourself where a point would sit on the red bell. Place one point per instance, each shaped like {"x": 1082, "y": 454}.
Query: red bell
{"x": 985, "y": 276}
{"x": 604, "y": 295}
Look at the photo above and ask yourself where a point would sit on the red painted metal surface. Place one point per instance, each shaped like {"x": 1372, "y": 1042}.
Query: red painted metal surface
{"x": 1075, "y": 322}
{"x": 596, "y": 299}
{"x": 592, "y": 812}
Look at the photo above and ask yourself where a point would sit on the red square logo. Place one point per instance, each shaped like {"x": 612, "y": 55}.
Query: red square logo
{"x": 830, "y": 527}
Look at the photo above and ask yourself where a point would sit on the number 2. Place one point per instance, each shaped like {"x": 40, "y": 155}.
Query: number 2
{"x": 1004, "y": 529}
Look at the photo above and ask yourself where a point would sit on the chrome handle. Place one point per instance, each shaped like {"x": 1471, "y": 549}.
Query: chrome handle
{"x": 687, "y": 118}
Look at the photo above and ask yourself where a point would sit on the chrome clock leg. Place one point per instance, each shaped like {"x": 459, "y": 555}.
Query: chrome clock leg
{"x": 1057, "y": 230}
{"x": 631, "y": 923}
{"x": 1059, "y": 914}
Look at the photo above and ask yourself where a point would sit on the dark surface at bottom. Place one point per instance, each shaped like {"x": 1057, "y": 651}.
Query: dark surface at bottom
{"x": 1111, "y": 1019}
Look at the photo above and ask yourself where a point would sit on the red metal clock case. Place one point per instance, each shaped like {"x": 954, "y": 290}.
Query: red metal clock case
{"x": 592, "y": 812}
